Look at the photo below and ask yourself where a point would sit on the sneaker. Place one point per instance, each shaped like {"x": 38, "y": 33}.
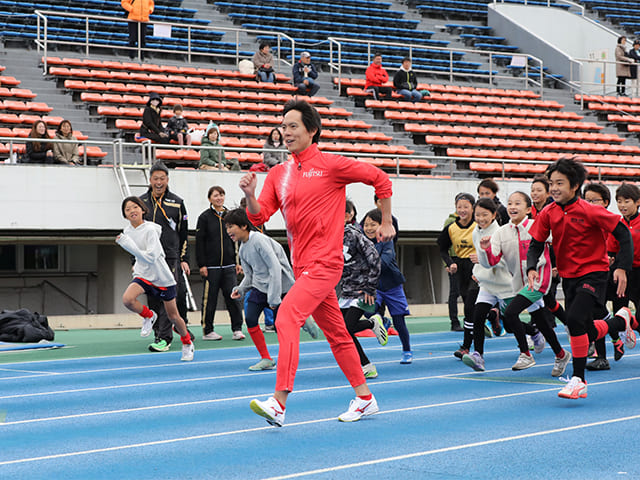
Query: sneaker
{"x": 147, "y": 324}
{"x": 379, "y": 330}
{"x": 407, "y": 357}
{"x": 538, "y": 342}
{"x": 159, "y": 346}
{"x": 461, "y": 352}
{"x": 269, "y": 328}
{"x": 560, "y": 364}
{"x": 618, "y": 349}
{"x": 502, "y": 332}
{"x": 270, "y": 409}
{"x": 488, "y": 330}
{"x": 530, "y": 343}
{"x": 474, "y": 361}
{"x": 598, "y": 364}
{"x": 187, "y": 352}
{"x": 629, "y": 336}
{"x": 386, "y": 321}
{"x": 311, "y": 327}
{"x": 263, "y": 364}
{"x": 370, "y": 371}
{"x": 592, "y": 350}
{"x": 238, "y": 335}
{"x": 456, "y": 327}
{"x": 524, "y": 361}
{"x": 574, "y": 389}
{"x": 212, "y": 336}
{"x": 359, "y": 408}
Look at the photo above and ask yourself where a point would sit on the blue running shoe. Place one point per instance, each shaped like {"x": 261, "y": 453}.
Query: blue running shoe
{"x": 407, "y": 358}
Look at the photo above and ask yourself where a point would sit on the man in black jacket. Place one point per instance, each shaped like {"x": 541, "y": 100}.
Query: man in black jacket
{"x": 406, "y": 83}
{"x": 216, "y": 257}
{"x": 167, "y": 210}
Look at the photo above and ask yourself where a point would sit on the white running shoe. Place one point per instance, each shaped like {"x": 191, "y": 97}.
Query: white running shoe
{"x": 538, "y": 342}
{"x": 187, "y": 352}
{"x": 530, "y": 343}
{"x": 359, "y": 408}
{"x": 147, "y": 324}
{"x": 574, "y": 389}
{"x": 238, "y": 335}
{"x": 379, "y": 330}
{"x": 270, "y": 409}
{"x": 629, "y": 336}
{"x": 370, "y": 371}
{"x": 212, "y": 336}
{"x": 311, "y": 327}
{"x": 524, "y": 361}
{"x": 263, "y": 364}
{"x": 560, "y": 364}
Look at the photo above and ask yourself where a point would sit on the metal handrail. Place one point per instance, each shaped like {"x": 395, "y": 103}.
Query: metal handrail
{"x": 337, "y": 62}
{"x": 43, "y": 41}
{"x": 21, "y": 140}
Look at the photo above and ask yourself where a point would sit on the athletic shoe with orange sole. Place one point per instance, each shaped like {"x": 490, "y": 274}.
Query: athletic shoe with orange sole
{"x": 629, "y": 336}
{"x": 574, "y": 389}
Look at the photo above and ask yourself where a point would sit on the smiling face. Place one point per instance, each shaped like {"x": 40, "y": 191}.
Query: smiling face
{"x": 41, "y": 129}
{"x": 484, "y": 217}
{"x": 464, "y": 209}
{"x": 370, "y": 227}
{"x": 539, "y": 193}
{"x": 237, "y": 233}
{"x": 65, "y": 128}
{"x": 159, "y": 182}
{"x": 216, "y": 199}
{"x": 517, "y": 208}
{"x": 133, "y": 213}
{"x": 484, "y": 192}
{"x": 296, "y": 136}
{"x": 627, "y": 207}
{"x": 560, "y": 188}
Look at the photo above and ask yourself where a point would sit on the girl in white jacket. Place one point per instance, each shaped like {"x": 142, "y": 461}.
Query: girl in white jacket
{"x": 495, "y": 282}
{"x": 151, "y": 274}
{"x": 511, "y": 243}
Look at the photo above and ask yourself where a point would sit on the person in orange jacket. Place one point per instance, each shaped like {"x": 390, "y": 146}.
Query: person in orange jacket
{"x": 139, "y": 11}
{"x": 376, "y": 76}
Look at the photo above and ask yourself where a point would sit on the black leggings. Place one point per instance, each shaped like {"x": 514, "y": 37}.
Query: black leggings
{"x": 356, "y": 323}
{"x": 480, "y": 313}
{"x": 517, "y": 305}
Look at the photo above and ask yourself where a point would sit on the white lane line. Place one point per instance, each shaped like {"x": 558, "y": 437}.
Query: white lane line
{"x": 454, "y": 448}
{"x": 324, "y": 420}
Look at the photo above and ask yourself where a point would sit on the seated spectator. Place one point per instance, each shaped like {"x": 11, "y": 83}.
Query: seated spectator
{"x": 406, "y": 82}
{"x": 376, "y": 77}
{"x": 65, "y": 152}
{"x": 304, "y": 76}
{"x": 151, "y": 127}
{"x": 274, "y": 141}
{"x": 214, "y": 158}
{"x": 178, "y": 127}
{"x": 263, "y": 61}
{"x": 39, "y": 152}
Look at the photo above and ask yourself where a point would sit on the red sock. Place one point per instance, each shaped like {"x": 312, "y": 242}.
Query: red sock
{"x": 561, "y": 354}
{"x": 186, "y": 340}
{"x": 580, "y": 346}
{"x": 365, "y": 397}
{"x": 281, "y": 405}
{"x": 146, "y": 313}
{"x": 555, "y": 308}
{"x": 258, "y": 340}
{"x": 634, "y": 323}
{"x": 527, "y": 353}
{"x": 601, "y": 327}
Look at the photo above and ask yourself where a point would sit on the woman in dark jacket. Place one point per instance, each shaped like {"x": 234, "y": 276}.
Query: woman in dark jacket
{"x": 39, "y": 152}
{"x": 151, "y": 127}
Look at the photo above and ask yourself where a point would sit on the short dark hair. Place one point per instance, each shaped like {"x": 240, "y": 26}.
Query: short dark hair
{"x": 600, "y": 189}
{"x": 628, "y": 190}
{"x": 135, "y": 200}
{"x": 571, "y": 168}
{"x": 158, "y": 166}
{"x": 177, "y": 108}
{"x": 216, "y": 188}
{"x": 349, "y": 207}
{"x": 490, "y": 184}
{"x": 465, "y": 196}
{"x": 310, "y": 116}
{"x": 238, "y": 216}
{"x": 527, "y": 198}
{"x": 543, "y": 180}
{"x": 375, "y": 215}
{"x": 620, "y": 39}
{"x": 487, "y": 204}
{"x": 406, "y": 59}
{"x": 264, "y": 44}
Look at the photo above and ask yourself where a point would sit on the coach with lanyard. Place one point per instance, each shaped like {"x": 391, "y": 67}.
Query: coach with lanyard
{"x": 167, "y": 210}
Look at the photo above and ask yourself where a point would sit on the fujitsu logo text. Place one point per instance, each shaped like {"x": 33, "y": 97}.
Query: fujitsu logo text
{"x": 313, "y": 173}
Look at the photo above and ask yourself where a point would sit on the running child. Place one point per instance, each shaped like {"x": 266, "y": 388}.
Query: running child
{"x": 390, "y": 290}
{"x": 358, "y": 287}
{"x": 579, "y": 232}
{"x": 495, "y": 282}
{"x": 267, "y": 277}
{"x": 151, "y": 274}
{"x": 511, "y": 243}
{"x": 459, "y": 235}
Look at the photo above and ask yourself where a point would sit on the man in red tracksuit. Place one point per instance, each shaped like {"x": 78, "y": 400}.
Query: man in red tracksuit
{"x": 309, "y": 189}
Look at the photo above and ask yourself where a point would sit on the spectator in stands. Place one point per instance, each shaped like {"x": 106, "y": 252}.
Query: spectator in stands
{"x": 178, "y": 127}
{"x": 39, "y": 152}
{"x": 138, "y": 16}
{"x": 487, "y": 188}
{"x": 214, "y": 158}
{"x": 406, "y": 82}
{"x": 634, "y": 54}
{"x": 376, "y": 77}
{"x": 274, "y": 141}
{"x": 623, "y": 66}
{"x": 151, "y": 127}
{"x": 263, "y": 61}
{"x": 304, "y": 76}
{"x": 65, "y": 152}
